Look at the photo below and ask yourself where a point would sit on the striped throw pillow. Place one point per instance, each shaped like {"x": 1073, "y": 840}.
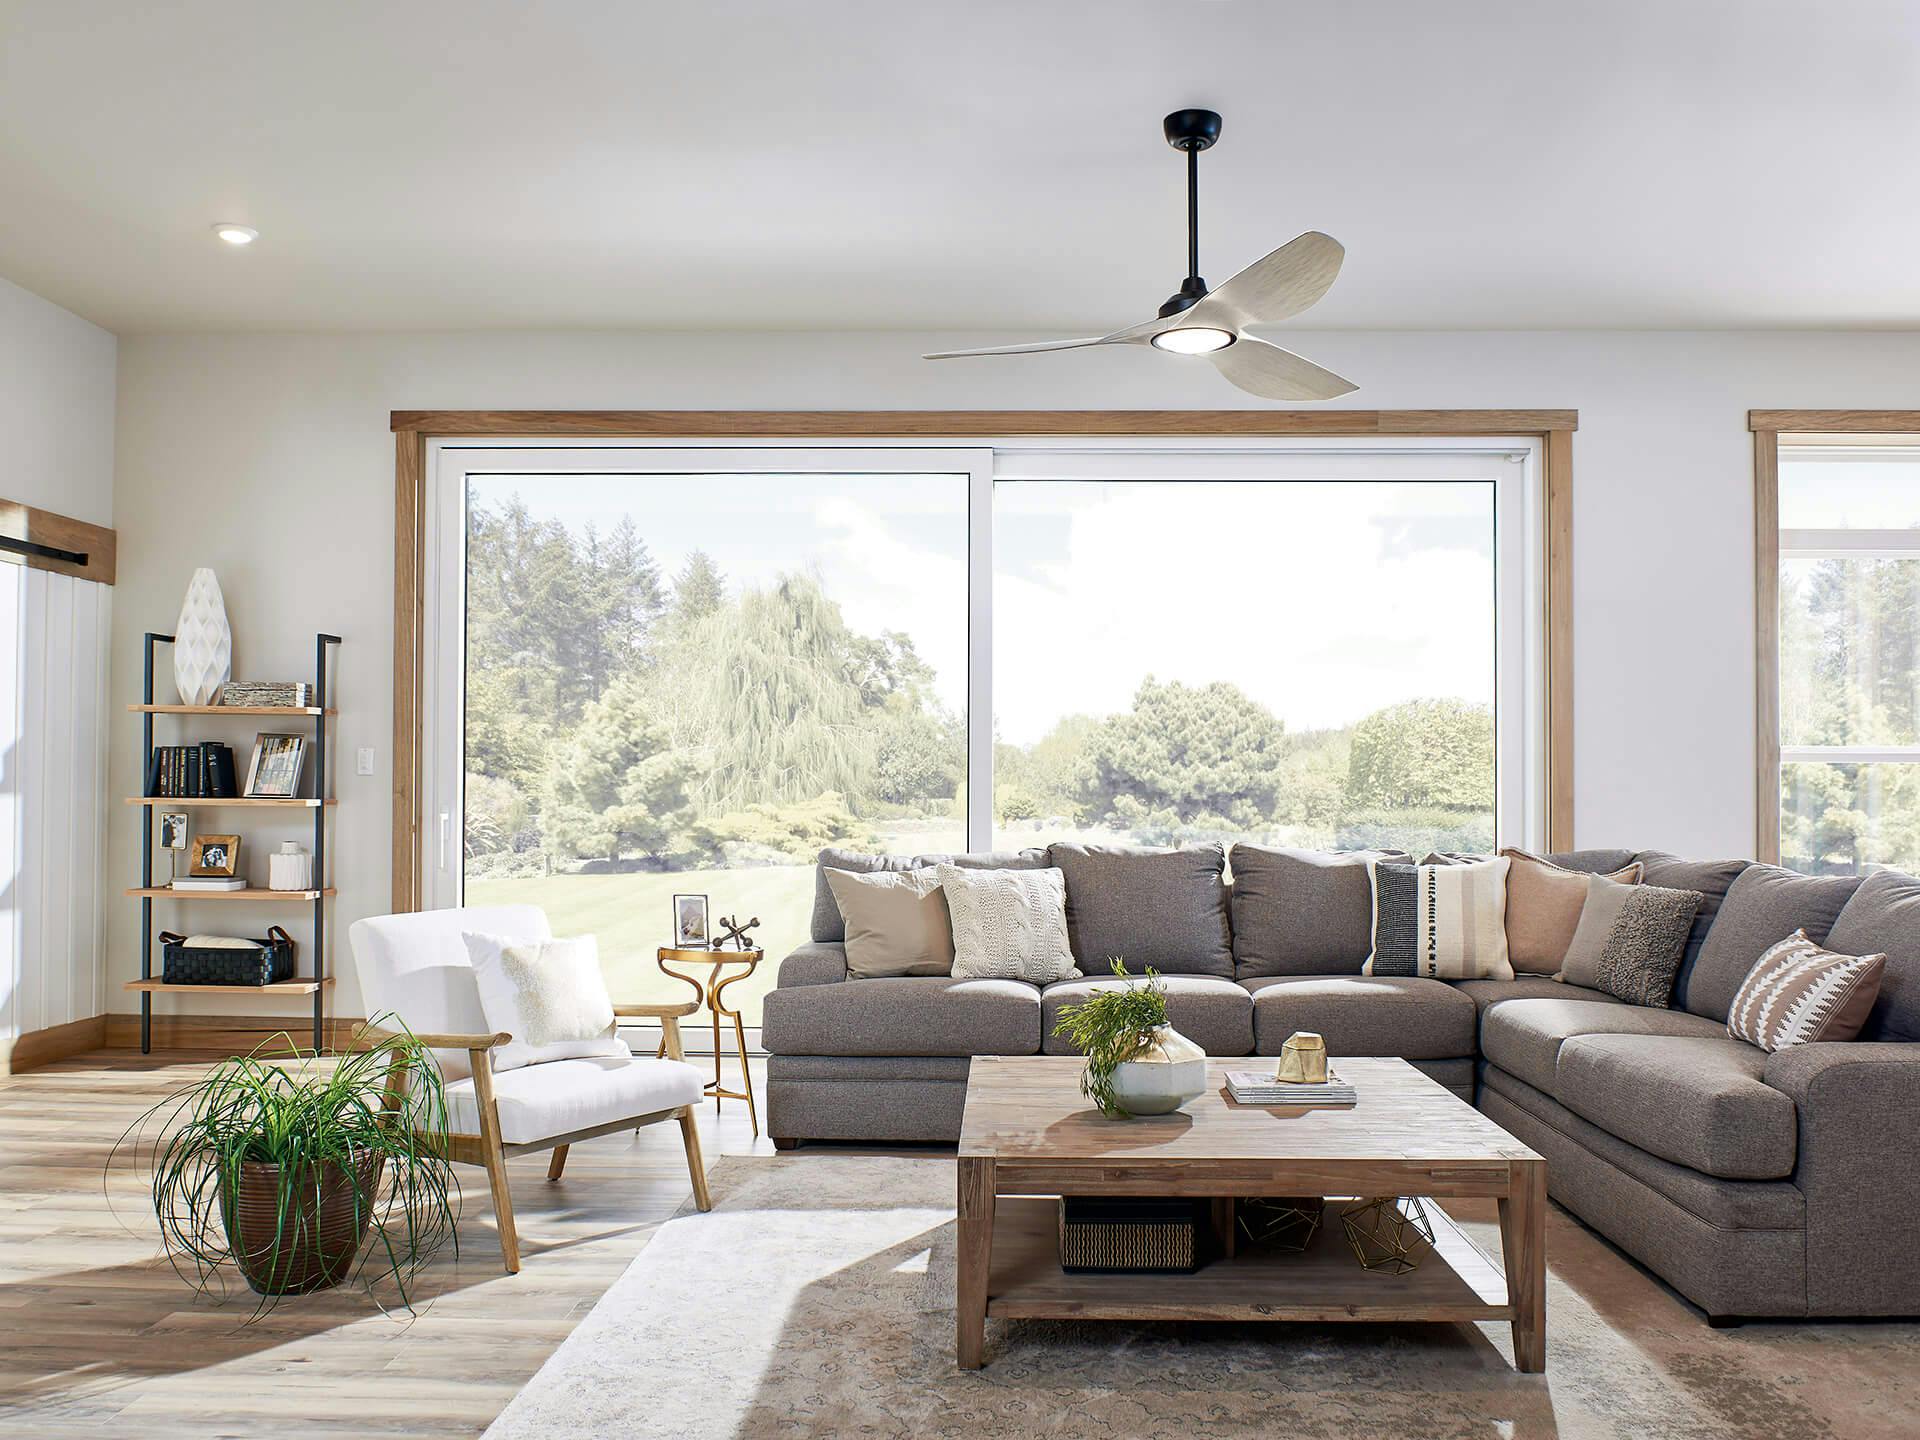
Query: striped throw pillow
{"x": 1797, "y": 992}
{"x": 1446, "y": 922}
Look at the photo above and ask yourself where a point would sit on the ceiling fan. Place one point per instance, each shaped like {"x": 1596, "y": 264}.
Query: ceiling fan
{"x": 1213, "y": 323}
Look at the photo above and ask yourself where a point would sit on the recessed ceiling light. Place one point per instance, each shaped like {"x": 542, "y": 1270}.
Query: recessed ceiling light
{"x": 236, "y": 234}
{"x": 1193, "y": 339}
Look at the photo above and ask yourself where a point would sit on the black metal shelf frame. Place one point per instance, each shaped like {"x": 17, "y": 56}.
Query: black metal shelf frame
{"x": 321, "y": 783}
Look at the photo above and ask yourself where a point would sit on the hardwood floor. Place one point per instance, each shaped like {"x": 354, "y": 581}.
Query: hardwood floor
{"x": 99, "y": 1337}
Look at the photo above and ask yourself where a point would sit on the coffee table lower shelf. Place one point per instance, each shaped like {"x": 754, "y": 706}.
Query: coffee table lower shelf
{"x": 1454, "y": 1282}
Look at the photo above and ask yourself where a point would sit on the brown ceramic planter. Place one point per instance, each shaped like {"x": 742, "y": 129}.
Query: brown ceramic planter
{"x": 322, "y": 1232}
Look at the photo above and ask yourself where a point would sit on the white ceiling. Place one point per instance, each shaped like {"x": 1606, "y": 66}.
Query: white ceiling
{"x": 840, "y": 164}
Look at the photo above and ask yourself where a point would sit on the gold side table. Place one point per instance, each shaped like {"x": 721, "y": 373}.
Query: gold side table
{"x": 708, "y": 992}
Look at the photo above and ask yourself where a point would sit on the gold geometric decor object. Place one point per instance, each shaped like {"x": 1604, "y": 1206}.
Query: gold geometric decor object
{"x": 1283, "y": 1223}
{"x": 1303, "y": 1059}
{"x": 1385, "y": 1232}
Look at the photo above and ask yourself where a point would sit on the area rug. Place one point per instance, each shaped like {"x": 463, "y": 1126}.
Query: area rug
{"x": 816, "y": 1299}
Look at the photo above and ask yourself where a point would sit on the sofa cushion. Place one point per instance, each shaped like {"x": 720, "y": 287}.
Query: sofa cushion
{"x": 1711, "y": 879}
{"x": 1216, "y": 1014}
{"x": 1699, "y": 1101}
{"x": 558, "y": 1097}
{"x": 1523, "y": 1037}
{"x": 1592, "y": 862}
{"x": 1161, "y": 908}
{"x": 1762, "y": 907}
{"x": 827, "y": 922}
{"x": 1488, "y": 993}
{"x": 1301, "y": 912}
{"x": 908, "y": 1015}
{"x": 1883, "y": 917}
{"x": 1404, "y": 1015}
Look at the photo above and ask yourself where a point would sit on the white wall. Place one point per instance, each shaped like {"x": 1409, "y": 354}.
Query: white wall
{"x": 56, "y": 433}
{"x": 269, "y": 458}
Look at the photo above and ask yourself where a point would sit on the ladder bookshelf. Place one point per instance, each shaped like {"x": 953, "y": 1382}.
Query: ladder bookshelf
{"x": 319, "y": 978}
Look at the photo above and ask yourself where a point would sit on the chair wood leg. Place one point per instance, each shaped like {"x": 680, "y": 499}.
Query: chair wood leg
{"x": 496, "y": 1163}
{"x": 696, "y": 1165}
{"x": 557, "y": 1163}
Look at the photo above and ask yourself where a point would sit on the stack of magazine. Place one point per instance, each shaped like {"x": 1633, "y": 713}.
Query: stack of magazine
{"x": 1254, "y": 1087}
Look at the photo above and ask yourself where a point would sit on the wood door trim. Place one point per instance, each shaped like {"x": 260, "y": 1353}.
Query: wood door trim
{"x": 414, "y": 428}
{"x": 1766, "y": 650}
{"x": 1835, "y": 422}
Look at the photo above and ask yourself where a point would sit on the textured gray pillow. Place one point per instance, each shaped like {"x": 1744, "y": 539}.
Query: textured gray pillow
{"x": 1883, "y": 917}
{"x": 1762, "y": 908}
{"x": 829, "y": 925}
{"x": 1709, "y": 879}
{"x": 1302, "y": 912}
{"x": 1008, "y": 924}
{"x": 1630, "y": 940}
{"x": 1164, "y": 908}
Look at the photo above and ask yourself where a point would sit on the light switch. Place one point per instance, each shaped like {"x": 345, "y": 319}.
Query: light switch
{"x": 365, "y": 757}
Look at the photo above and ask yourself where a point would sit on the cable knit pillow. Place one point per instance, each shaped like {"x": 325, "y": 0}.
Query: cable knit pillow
{"x": 1008, "y": 924}
{"x": 548, "y": 994}
{"x": 1445, "y": 921}
{"x": 1797, "y": 992}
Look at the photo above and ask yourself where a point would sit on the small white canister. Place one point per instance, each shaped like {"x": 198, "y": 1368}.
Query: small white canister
{"x": 290, "y": 867}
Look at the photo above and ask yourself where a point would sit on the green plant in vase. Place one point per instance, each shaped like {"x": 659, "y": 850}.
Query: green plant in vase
{"x": 1137, "y": 1064}
{"x": 278, "y": 1165}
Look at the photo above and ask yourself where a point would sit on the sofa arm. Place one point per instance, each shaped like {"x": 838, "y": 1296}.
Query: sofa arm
{"x": 1859, "y": 1114}
{"x": 819, "y": 962}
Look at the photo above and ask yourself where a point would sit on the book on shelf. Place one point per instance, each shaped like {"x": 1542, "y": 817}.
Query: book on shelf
{"x": 185, "y": 772}
{"x": 207, "y": 882}
{"x": 1254, "y": 1087}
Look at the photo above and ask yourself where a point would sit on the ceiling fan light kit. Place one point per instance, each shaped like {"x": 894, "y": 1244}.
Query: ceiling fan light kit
{"x": 1196, "y": 320}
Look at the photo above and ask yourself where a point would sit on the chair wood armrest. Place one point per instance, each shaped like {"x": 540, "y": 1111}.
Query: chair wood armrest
{"x": 370, "y": 1036}
{"x": 636, "y": 1010}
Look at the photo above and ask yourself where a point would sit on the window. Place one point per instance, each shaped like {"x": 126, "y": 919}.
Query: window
{"x": 1849, "y": 655}
{"x": 662, "y": 670}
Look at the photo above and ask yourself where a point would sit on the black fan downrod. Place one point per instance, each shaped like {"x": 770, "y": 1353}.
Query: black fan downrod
{"x": 1191, "y": 131}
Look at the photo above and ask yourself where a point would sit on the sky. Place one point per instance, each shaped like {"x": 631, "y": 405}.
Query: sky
{"x": 1323, "y": 601}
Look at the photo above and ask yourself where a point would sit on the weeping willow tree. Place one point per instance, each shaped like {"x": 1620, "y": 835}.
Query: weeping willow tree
{"x": 773, "y": 692}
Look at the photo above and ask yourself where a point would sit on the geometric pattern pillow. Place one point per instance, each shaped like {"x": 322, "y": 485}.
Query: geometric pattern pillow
{"x": 1445, "y": 922}
{"x": 1797, "y": 993}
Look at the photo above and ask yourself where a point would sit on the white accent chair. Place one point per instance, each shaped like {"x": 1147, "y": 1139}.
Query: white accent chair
{"x": 415, "y": 967}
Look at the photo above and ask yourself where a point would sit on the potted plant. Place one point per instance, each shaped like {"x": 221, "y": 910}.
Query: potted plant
{"x": 1137, "y": 1064}
{"x": 280, "y": 1165}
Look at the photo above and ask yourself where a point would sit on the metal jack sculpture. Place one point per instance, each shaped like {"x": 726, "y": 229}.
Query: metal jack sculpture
{"x": 736, "y": 933}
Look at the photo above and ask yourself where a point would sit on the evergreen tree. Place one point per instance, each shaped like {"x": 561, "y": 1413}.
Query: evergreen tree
{"x": 698, "y": 590}
{"x": 1204, "y": 757}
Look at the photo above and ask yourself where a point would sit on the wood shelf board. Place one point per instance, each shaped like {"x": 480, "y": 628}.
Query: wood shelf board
{"x": 168, "y": 893}
{"x": 1454, "y": 1281}
{"x": 287, "y": 710}
{"x": 167, "y": 802}
{"x": 279, "y": 987}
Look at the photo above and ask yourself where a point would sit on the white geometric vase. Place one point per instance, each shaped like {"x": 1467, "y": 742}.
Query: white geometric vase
{"x": 202, "y": 642}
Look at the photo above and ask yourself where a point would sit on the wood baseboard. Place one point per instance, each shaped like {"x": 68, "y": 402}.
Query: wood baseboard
{"x": 56, "y": 1042}
{"x": 227, "y": 1034}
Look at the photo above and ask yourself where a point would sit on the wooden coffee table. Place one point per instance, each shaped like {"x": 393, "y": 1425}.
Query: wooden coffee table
{"x": 1028, "y": 1132}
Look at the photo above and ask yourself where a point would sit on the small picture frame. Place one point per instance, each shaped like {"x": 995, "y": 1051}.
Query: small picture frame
{"x": 690, "y": 930}
{"x": 274, "y": 772}
{"x": 215, "y": 856}
{"x": 174, "y": 829}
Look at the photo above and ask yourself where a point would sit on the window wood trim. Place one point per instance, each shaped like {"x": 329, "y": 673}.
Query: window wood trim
{"x": 414, "y": 428}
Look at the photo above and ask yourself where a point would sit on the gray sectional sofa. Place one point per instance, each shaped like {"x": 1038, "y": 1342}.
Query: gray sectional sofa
{"x": 1756, "y": 1184}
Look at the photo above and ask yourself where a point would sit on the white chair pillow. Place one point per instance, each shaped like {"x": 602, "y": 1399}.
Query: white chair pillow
{"x": 548, "y": 994}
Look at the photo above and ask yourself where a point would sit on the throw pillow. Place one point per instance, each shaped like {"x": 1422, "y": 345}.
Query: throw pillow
{"x": 1630, "y": 940}
{"x": 827, "y": 923}
{"x": 896, "y": 922}
{"x": 548, "y": 994}
{"x": 1797, "y": 992}
{"x": 1302, "y": 912}
{"x": 1008, "y": 924}
{"x": 1543, "y": 910}
{"x": 1161, "y": 908}
{"x": 1447, "y": 922}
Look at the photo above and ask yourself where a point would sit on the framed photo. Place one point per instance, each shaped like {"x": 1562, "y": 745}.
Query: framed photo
{"x": 274, "y": 772}
{"x": 690, "y": 922}
{"x": 173, "y": 830}
{"x": 215, "y": 855}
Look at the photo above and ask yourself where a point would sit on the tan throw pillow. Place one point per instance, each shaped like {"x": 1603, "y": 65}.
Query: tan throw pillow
{"x": 1797, "y": 993}
{"x": 896, "y": 922}
{"x": 1009, "y": 924}
{"x": 1446, "y": 922}
{"x": 1543, "y": 910}
{"x": 1630, "y": 940}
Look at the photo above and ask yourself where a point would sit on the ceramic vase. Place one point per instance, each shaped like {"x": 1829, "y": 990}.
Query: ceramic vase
{"x": 290, "y": 867}
{"x": 202, "y": 642}
{"x": 1162, "y": 1076}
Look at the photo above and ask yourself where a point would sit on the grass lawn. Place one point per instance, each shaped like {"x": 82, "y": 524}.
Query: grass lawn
{"x": 632, "y": 916}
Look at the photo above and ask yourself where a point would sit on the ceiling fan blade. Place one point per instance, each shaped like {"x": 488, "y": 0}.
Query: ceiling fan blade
{"x": 1262, "y": 368}
{"x": 1129, "y": 335}
{"x": 1286, "y": 282}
